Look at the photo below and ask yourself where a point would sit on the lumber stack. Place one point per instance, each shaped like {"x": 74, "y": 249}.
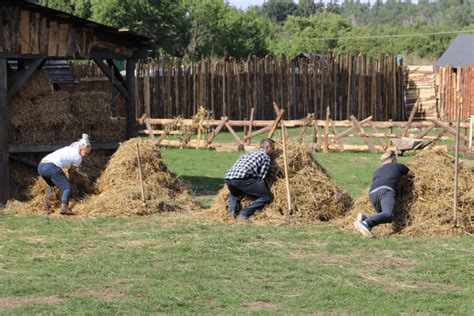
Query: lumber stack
{"x": 420, "y": 92}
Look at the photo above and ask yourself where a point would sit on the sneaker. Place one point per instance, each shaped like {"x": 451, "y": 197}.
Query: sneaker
{"x": 362, "y": 227}
{"x": 66, "y": 212}
{"x": 361, "y": 217}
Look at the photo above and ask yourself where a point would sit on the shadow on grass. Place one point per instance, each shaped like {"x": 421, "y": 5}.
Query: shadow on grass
{"x": 203, "y": 184}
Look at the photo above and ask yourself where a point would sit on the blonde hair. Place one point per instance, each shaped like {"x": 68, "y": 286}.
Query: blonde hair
{"x": 388, "y": 155}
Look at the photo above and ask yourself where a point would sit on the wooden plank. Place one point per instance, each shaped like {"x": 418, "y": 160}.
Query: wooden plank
{"x": 410, "y": 119}
{"x": 326, "y": 131}
{"x": 25, "y": 32}
{"x": 43, "y": 36}
{"x": 249, "y": 140}
{"x": 234, "y": 134}
{"x": 448, "y": 129}
{"x": 275, "y": 124}
{"x": 2, "y": 33}
{"x": 63, "y": 39}
{"x": 4, "y": 164}
{"x": 35, "y": 29}
{"x": 216, "y": 131}
{"x": 44, "y": 148}
{"x": 53, "y": 39}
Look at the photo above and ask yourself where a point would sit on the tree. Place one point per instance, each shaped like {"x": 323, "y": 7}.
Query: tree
{"x": 80, "y": 8}
{"x": 307, "y": 34}
{"x": 164, "y": 21}
{"x": 278, "y": 10}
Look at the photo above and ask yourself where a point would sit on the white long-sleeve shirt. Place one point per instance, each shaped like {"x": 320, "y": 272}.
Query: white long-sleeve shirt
{"x": 64, "y": 157}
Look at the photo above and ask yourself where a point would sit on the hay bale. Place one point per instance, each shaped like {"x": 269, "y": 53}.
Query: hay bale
{"x": 38, "y": 84}
{"x": 315, "y": 196}
{"x": 118, "y": 190}
{"x": 91, "y": 106}
{"x": 425, "y": 205}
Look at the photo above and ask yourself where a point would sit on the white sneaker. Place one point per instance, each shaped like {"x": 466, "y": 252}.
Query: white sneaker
{"x": 363, "y": 228}
{"x": 361, "y": 217}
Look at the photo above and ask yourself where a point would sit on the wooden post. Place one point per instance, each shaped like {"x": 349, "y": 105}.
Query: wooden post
{"x": 200, "y": 132}
{"x": 275, "y": 124}
{"x": 456, "y": 166}
{"x": 211, "y": 137}
{"x": 471, "y": 128}
{"x": 410, "y": 119}
{"x": 4, "y": 172}
{"x": 131, "y": 102}
{"x": 326, "y": 131}
{"x": 249, "y": 140}
{"x": 285, "y": 162}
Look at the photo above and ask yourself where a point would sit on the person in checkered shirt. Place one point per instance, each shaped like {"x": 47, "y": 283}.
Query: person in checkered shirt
{"x": 247, "y": 178}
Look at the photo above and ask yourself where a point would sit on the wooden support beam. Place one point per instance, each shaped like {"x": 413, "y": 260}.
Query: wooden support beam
{"x": 350, "y": 129}
{"x": 131, "y": 102}
{"x": 4, "y": 164}
{"x": 234, "y": 134}
{"x": 326, "y": 130}
{"x": 259, "y": 132}
{"x": 149, "y": 129}
{"x": 449, "y": 129}
{"x": 410, "y": 119}
{"x": 363, "y": 134}
{"x": 216, "y": 131}
{"x": 24, "y": 76}
{"x": 426, "y": 132}
{"x": 44, "y": 148}
{"x": 123, "y": 89}
{"x": 275, "y": 124}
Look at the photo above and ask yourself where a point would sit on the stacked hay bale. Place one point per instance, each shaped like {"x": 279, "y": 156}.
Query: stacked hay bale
{"x": 118, "y": 190}
{"x": 315, "y": 196}
{"x": 39, "y": 115}
{"x": 425, "y": 205}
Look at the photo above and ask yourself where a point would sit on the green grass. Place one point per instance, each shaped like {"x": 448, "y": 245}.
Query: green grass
{"x": 177, "y": 264}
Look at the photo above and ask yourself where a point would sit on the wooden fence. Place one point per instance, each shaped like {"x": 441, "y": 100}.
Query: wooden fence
{"x": 346, "y": 84}
{"x": 455, "y": 87}
{"x": 326, "y": 135}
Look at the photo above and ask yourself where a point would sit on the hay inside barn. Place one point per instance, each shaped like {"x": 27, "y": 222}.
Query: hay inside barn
{"x": 118, "y": 190}
{"x": 315, "y": 196}
{"x": 425, "y": 205}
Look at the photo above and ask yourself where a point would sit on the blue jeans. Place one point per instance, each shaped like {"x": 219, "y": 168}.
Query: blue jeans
{"x": 252, "y": 188}
{"x": 54, "y": 176}
{"x": 383, "y": 201}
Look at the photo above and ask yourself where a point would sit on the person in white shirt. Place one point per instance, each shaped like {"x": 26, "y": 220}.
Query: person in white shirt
{"x": 51, "y": 170}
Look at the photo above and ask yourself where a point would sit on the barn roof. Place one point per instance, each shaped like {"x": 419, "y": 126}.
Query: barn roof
{"x": 460, "y": 53}
{"x": 29, "y": 29}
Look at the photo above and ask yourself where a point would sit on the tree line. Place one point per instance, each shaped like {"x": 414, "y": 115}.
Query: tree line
{"x": 193, "y": 29}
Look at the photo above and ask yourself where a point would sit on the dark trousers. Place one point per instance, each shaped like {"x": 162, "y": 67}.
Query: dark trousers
{"x": 252, "y": 188}
{"x": 383, "y": 201}
{"x": 54, "y": 176}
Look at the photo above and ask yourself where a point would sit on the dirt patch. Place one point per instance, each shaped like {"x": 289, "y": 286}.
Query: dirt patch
{"x": 257, "y": 306}
{"x": 134, "y": 243}
{"x": 15, "y": 301}
{"x": 111, "y": 294}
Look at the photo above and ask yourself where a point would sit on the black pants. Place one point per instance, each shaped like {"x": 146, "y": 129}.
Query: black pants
{"x": 383, "y": 201}
{"x": 253, "y": 188}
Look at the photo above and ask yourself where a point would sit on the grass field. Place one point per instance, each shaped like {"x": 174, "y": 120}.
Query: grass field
{"x": 177, "y": 264}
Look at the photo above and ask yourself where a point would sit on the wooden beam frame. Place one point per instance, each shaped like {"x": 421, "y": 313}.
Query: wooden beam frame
{"x": 25, "y": 75}
{"x": 131, "y": 102}
{"x": 109, "y": 74}
{"x": 4, "y": 163}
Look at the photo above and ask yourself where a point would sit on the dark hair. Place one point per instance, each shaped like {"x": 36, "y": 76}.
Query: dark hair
{"x": 268, "y": 141}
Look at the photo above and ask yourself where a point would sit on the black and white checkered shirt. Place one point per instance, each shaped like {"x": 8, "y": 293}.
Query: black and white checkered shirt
{"x": 250, "y": 165}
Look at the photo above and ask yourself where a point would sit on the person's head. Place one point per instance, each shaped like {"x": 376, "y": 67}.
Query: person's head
{"x": 268, "y": 146}
{"x": 84, "y": 145}
{"x": 388, "y": 157}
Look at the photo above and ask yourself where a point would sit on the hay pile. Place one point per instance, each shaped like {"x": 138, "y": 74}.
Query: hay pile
{"x": 118, "y": 190}
{"x": 39, "y": 115}
{"x": 81, "y": 186}
{"x": 425, "y": 205}
{"x": 315, "y": 196}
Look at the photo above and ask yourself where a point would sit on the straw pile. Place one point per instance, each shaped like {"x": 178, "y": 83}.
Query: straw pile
{"x": 425, "y": 205}
{"x": 118, "y": 190}
{"x": 315, "y": 196}
{"x": 81, "y": 186}
{"x": 38, "y": 115}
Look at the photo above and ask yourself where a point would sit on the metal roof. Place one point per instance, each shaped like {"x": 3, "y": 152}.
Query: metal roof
{"x": 460, "y": 53}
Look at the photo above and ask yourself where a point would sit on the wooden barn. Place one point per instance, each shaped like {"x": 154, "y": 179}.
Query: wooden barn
{"x": 32, "y": 36}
